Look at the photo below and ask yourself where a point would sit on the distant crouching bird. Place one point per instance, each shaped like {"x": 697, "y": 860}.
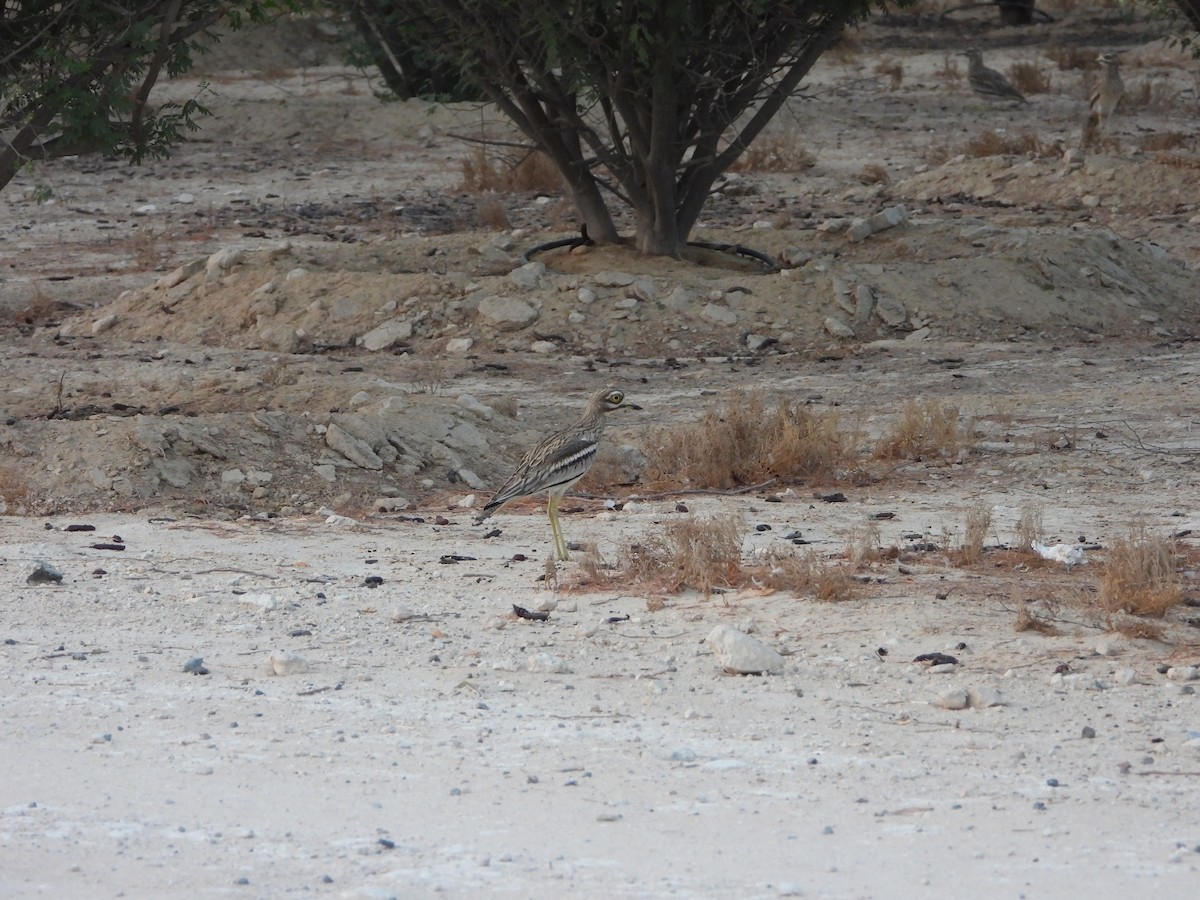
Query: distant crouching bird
{"x": 988, "y": 83}
{"x": 560, "y": 460}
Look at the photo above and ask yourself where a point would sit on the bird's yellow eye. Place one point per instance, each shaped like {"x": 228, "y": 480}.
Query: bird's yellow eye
{"x": 616, "y": 397}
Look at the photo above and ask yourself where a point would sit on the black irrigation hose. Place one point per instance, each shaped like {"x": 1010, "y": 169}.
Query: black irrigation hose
{"x": 584, "y": 241}
{"x": 739, "y": 250}
{"x": 1045, "y": 16}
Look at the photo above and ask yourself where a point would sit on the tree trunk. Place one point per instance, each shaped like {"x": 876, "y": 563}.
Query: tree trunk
{"x": 1016, "y": 12}
{"x": 1191, "y": 10}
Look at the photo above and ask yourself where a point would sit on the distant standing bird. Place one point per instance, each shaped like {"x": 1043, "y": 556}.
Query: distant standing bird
{"x": 1107, "y": 92}
{"x": 988, "y": 83}
{"x": 561, "y": 460}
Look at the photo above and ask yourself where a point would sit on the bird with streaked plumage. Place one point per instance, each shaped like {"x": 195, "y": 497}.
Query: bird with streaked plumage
{"x": 988, "y": 83}
{"x": 559, "y": 461}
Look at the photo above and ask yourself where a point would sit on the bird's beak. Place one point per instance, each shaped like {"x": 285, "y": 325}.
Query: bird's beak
{"x": 628, "y": 405}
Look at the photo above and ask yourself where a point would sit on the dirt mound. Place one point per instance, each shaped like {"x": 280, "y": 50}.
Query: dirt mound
{"x": 933, "y": 277}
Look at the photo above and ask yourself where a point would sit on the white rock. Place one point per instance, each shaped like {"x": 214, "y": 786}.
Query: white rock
{"x": 613, "y": 279}
{"x": 221, "y": 262}
{"x": 507, "y": 313}
{"x": 1110, "y": 644}
{"x": 952, "y": 698}
{"x": 1183, "y": 673}
{"x": 469, "y": 403}
{"x": 984, "y": 696}
{"x": 185, "y": 198}
{"x": 468, "y": 502}
{"x": 718, "y": 315}
{"x": 738, "y": 652}
{"x": 355, "y": 450}
{"x": 1125, "y": 676}
{"x": 344, "y": 521}
{"x": 385, "y": 335}
{"x": 544, "y": 347}
{"x": 104, "y": 323}
{"x": 389, "y": 504}
{"x": 284, "y": 662}
{"x": 459, "y": 345}
{"x": 547, "y": 662}
{"x": 586, "y": 296}
{"x": 528, "y": 275}
{"x": 547, "y": 605}
{"x": 265, "y": 602}
{"x": 837, "y": 327}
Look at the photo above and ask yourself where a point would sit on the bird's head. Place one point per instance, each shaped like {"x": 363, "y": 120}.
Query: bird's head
{"x": 1106, "y": 59}
{"x": 611, "y": 399}
{"x": 972, "y": 53}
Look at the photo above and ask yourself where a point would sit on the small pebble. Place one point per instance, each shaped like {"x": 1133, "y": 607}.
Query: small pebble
{"x": 1088, "y": 731}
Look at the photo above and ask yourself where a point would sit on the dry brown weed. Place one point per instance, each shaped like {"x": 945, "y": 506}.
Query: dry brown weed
{"x": 978, "y": 524}
{"x": 746, "y": 443}
{"x": 688, "y": 553}
{"x": 1028, "y": 78}
{"x": 1003, "y": 143}
{"x": 525, "y": 171}
{"x": 808, "y": 574}
{"x": 924, "y": 429}
{"x": 892, "y": 70}
{"x": 775, "y": 152}
{"x": 1029, "y": 529}
{"x": 1139, "y": 576}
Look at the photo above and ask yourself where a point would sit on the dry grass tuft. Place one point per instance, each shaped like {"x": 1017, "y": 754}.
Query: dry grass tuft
{"x": 1152, "y": 95}
{"x": 893, "y": 71}
{"x": 924, "y": 429}
{"x": 807, "y": 574}
{"x": 688, "y": 553}
{"x": 775, "y": 152}
{"x": 1133, "y": 627}
{"x": 1028, "y": 78}
{"x": 748, "y": 443}
{"x": 1027, "y": 620}
{"x": 865, "y": 546}
{"x": 14, "y": 489}
{"x": 1002, "y": 143}
{"x": 1071, "y": 57}
{"x": 949, "y": 70}
{"x": 1139, "y": 575}
{"x": 1029, "y": 529}
{"x": 526, "y": 171}
{"x": 978, "y": 524}
{"x": 492, "y": 214}
{"x": 873, "y": 173}
{"x": 1166, "y": 140}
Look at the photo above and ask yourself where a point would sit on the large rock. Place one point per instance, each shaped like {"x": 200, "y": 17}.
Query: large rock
{"x": 385, "y": 335}
{"x": 507, "y": 313}
{"x": 357, "y": 451}
{"x": 740, "y": 653}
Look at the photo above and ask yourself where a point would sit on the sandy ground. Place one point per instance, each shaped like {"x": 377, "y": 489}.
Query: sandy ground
{"x": 422, "y": 740}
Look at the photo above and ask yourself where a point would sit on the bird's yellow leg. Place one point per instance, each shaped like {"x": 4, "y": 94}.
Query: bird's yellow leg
{"x": 560, "y": 544}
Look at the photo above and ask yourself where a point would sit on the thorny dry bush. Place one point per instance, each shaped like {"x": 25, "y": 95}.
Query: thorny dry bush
{"x": 776, "y": 151}
{"x": 1004, "y": 143}
{"x": 525, "y": 171}
{"x": 705, "y": 554}
{"x": 1028, "y": 78}
{"x": 924, "y": 429}
{"x": 1139, "y": 575}
{"x": 979, "y": 522}
{"x": 747, "y": 443}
